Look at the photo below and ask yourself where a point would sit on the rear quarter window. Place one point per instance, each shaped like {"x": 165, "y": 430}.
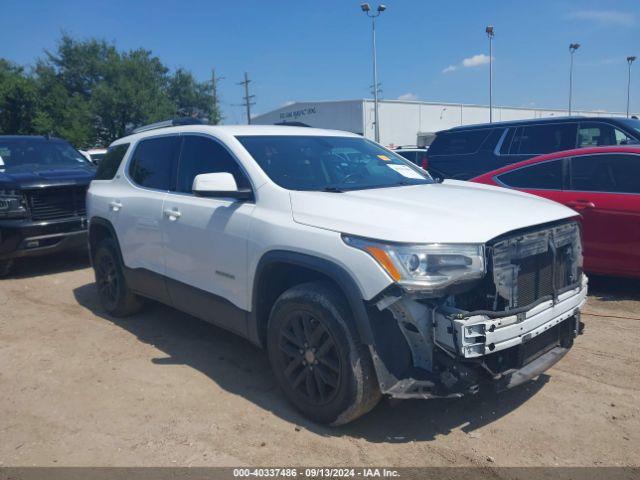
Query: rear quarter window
{"x": 458, "y": 143}
{"x": 109, "y": 165}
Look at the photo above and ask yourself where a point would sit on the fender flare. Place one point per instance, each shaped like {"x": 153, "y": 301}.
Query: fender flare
{"x": 103, "y": 222}
{"x": 339, "y": 275}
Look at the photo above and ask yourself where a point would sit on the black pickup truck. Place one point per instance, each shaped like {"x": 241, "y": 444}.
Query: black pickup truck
{"x": 43, "y": 184}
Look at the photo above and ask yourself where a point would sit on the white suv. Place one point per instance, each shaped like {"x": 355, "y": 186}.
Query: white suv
{"x": 359, "y": 273}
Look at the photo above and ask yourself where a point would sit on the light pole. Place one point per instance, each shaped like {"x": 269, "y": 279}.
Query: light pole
{"x": 572, "y": 49}
{"x": 490, "y": 34}
{"x": 630, "y": 60}
{"x": 367, "y": 9}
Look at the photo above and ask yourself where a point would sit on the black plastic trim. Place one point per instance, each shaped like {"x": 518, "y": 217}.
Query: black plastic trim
{"x": 326, "y": 267}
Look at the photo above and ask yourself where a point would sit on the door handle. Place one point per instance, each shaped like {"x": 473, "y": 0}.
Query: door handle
{"x": 172, "y": 214}
{"x": 581, "y": 204}
{"x": 115, "y": 206}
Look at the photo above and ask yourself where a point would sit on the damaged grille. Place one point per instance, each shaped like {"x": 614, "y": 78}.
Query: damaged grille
{"x": 536, "y": 265}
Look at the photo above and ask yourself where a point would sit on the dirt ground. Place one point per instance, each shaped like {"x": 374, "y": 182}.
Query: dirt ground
{"x": 164, "y": 389}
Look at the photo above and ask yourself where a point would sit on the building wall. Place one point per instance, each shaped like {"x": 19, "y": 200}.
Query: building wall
{"x": 344, "y": 115}
{"x": 401, "y": 122}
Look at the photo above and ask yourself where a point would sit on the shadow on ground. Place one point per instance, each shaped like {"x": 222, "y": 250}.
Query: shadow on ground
{"x": 241, "y": 368}
{"x": 66, "y": 261}
{"x": 614, "y": 289}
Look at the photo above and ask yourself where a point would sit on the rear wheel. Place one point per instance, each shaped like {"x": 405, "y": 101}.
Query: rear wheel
{"x": 316, "y": 355}
{"x": 115, "y": 296}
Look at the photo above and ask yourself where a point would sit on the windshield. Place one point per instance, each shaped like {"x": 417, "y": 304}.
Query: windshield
{"x": 330, "y": 163}
{"x": 36, "y": 153}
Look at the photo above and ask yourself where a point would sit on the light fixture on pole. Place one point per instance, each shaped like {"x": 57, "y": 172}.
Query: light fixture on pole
{"x": 490, "y": 34}
{"x": 572, "y": 49}
{"x": 630, "y": 60}
{"x": 367, "y": 9}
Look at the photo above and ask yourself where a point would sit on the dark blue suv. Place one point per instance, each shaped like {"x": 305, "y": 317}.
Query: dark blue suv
{"x": 468, "y": 151}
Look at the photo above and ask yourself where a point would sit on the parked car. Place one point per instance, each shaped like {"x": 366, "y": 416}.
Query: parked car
{"x": 468, "y": 151}
{"x": 96, "y": 155}
{"x": 603, "y": 185}
{"x": 359, "y": 273}
{"x": 43, "y": 182}
{"x": 416, "y": 155}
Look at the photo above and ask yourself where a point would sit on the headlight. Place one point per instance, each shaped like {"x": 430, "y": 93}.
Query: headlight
{"x": 426, "y": 268}
{"x": 12, "y": 204}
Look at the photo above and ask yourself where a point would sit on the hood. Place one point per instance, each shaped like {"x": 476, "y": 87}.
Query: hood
{"x": 18, "y": 178}
{"x": 449, "y": 212}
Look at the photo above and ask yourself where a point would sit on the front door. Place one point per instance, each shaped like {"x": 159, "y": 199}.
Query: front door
{"x": 205, "y": 239}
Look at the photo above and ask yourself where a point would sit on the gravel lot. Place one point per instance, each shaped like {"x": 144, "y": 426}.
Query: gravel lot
{"x": 162, "y": 388}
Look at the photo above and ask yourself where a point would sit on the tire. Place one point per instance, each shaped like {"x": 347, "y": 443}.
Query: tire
{"x": 115, "y": 296}
{"x": 5, "y": 267}
{"x": 317, "y": 357}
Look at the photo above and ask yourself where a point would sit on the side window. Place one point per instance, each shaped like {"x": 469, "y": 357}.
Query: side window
{"x": 109, "y": 165}
{"x": 539, "y": 139}
{"x": 204, "y": 155}
{"x": 153, "y": 162}
{"x": 458, "y": 143}
{"x": 615, "y": 173}
{"x": 596, "y": 134}
{"x": 545, "y": 176}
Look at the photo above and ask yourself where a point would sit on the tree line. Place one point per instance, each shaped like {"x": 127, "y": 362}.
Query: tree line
{"x": 90, "y": 93}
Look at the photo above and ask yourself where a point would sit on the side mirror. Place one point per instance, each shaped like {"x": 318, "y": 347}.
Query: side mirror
{"x": 221, "y": 185}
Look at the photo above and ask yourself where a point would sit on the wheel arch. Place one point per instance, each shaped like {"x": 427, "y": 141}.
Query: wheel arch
{"x": 99, "y": 229}
{"x": 273, "y": 276}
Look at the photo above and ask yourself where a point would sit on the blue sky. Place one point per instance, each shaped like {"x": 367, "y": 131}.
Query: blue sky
{"x": 320, "y": 50}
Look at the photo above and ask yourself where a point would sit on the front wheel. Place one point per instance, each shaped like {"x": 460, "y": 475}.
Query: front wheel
{"x": 5, "y": 267}
{"x": 317, "y": 358}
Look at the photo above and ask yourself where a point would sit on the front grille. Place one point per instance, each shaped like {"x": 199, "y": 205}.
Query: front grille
{"x": 56, "y": 203}
{"x": 535, "y": 278}
{"x": 535, "y": 265}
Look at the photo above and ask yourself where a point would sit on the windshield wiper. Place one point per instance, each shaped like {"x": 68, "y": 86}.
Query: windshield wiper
{"x": 332, "y": 190}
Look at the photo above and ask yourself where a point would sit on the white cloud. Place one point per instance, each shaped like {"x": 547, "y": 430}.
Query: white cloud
{"x": 474, "y": 61}
{"x": 287, "y": 103}
{"x": 604, "y": 17}
{"x": 408, "y": 97}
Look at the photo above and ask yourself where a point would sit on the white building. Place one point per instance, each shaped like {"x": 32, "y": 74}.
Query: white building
{"x": 401, "y": 122}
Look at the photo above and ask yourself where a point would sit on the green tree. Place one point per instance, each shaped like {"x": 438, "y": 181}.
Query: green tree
{"x": 18, "y": 100}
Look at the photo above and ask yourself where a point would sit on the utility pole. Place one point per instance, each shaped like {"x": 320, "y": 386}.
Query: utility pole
{"x": 247, "y": 98}
{"x": 215, "y": 110}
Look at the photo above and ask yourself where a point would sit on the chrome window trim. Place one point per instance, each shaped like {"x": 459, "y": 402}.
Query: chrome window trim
{"x": 496, "y": 151}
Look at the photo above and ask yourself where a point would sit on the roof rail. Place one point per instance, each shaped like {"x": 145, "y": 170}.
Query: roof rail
{"x": 174, "y": 122}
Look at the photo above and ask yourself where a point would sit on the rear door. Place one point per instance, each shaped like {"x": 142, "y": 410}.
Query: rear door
{"x": 538, "y": 139}
{"x": 137, "y": 210}
{"x": 605, "y": 189}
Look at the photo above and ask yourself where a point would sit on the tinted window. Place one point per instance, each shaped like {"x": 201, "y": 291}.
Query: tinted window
{"x": 108, "y": 166}
{"x": 458, "y": 143}
{"x": 203, "y": 155}
{"x": 537, "y": 139}
{"x": 300, "y": 162}
{"x": 618, "y": 173}
{"x": 506, "y": 143}
{"x": 153, "y": 162}
{"x": 411, "y": 156}
{"x": 596, "y": 134}
{"x": 547, "y": 176}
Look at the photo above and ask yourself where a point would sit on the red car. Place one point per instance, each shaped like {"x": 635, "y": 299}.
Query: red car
{"x": 600, "y": 183}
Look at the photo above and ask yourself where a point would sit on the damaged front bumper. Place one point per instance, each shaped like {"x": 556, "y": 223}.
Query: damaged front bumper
{"x": 428, "y": 350}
